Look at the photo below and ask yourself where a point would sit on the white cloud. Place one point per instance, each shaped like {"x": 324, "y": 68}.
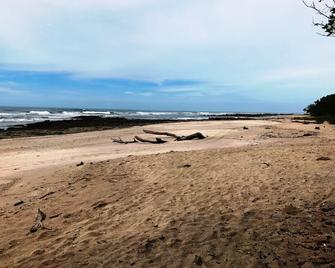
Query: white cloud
{"x": 10, "y": 91}
{"x": 146, "y": 94}
{"x": 129, "y": 92}
{"x": 219, "y": 41}
{"x": 299, "y": 73}
{"x": 179, "y": 89}
{"x": 122, "y": 36}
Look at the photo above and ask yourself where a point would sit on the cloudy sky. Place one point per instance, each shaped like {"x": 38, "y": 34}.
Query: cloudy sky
{"x": 218, "y": 55}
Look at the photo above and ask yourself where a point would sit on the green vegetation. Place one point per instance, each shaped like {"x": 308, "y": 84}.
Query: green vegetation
{"x": 322, "y": 110}
{"x": 322, "y": 107}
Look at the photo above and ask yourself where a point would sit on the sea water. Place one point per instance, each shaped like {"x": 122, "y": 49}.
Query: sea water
{"x": 11, "y": 116}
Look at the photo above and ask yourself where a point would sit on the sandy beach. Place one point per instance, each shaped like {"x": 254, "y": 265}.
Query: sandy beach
{"x": 167, "y": 134}
{"x": 254, "y": 193}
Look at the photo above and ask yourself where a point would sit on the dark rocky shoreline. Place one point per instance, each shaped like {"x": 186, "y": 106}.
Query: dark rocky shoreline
{"x": 95, "y": 123}
{"x": 74, "y": 125}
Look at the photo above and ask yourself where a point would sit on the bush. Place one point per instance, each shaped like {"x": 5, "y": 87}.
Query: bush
{"x": 322, "y": 107}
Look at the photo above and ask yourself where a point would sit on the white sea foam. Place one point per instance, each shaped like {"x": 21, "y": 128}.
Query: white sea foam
{"x": 212, "y": 113}
{"x": 40, "y": 112}
{"x": 14, "y": 120}
{"x": 23, "y": 116}
{"x": 156, "y": 113}
{"x": 95, "y": 112}
{"x": 5, "y": 114}
{"x": 70, "y": 114}
{"x": 11, "y": 114}
{"x": 190, "y": 118}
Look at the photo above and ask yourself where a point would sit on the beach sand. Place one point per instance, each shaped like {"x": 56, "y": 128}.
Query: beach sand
{"x": 257, "y": 197}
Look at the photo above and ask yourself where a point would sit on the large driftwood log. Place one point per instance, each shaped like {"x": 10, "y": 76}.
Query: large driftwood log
{"x": 156, "y": 141}
{"x": 119, "y": 140}
{"x": 193, "y": 136}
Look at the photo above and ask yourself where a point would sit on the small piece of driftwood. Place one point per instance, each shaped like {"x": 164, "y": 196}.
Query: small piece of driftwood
{"x": 47, "y": 194}
{"x": 99, "y": 204}
{"x": 20, "y": 202}
{"x": 156, "y": 141}
{"x": 193, "y": 136}
{"x": 323, "y": 158}
{"x": 55, "y": 216}
{"x": 119, "y": 140}
{"x": 38, "y": 224}
{"x": 184, "y": 166}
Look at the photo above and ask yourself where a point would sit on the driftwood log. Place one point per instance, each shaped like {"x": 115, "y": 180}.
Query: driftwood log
{"x": 160, "y": 133}
{"x": 156, "y": 141}
{"x": 119, "y": 140}
{"x": 193, "y": 136}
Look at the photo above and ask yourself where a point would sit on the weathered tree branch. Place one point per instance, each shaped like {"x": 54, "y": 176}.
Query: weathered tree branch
{"x": 157, "y": 141}
{"x": 318, "y": 10}
{"x": 119, "y": 140}
{"x": 193, "y": 136}
{"x": 160, "y": 133}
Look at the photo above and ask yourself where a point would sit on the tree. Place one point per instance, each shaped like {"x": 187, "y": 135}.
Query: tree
{"x": 326, "y": 11}
{"x": 322, "y": 107}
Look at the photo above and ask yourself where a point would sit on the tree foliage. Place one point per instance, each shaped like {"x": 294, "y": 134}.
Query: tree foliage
{"x": 325, "y": 10}
{"x": 322, "y": 107}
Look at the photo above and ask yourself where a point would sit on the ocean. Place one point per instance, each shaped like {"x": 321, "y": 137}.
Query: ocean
{"x": 11, "y": 116}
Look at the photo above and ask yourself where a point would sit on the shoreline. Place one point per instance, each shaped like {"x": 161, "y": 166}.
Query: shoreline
{"x": 97, "y": 123}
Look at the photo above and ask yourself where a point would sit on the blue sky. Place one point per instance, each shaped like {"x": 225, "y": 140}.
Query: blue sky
{"x": 215, "y": 55}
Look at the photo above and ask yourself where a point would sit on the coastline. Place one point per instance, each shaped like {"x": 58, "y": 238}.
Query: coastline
{"x": 96, "y": 123}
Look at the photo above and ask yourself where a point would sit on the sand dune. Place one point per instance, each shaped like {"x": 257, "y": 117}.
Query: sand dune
{"x": 229, "y": 203}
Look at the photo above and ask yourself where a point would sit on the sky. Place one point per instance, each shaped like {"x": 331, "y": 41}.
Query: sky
{"x": 195, "y": 55}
